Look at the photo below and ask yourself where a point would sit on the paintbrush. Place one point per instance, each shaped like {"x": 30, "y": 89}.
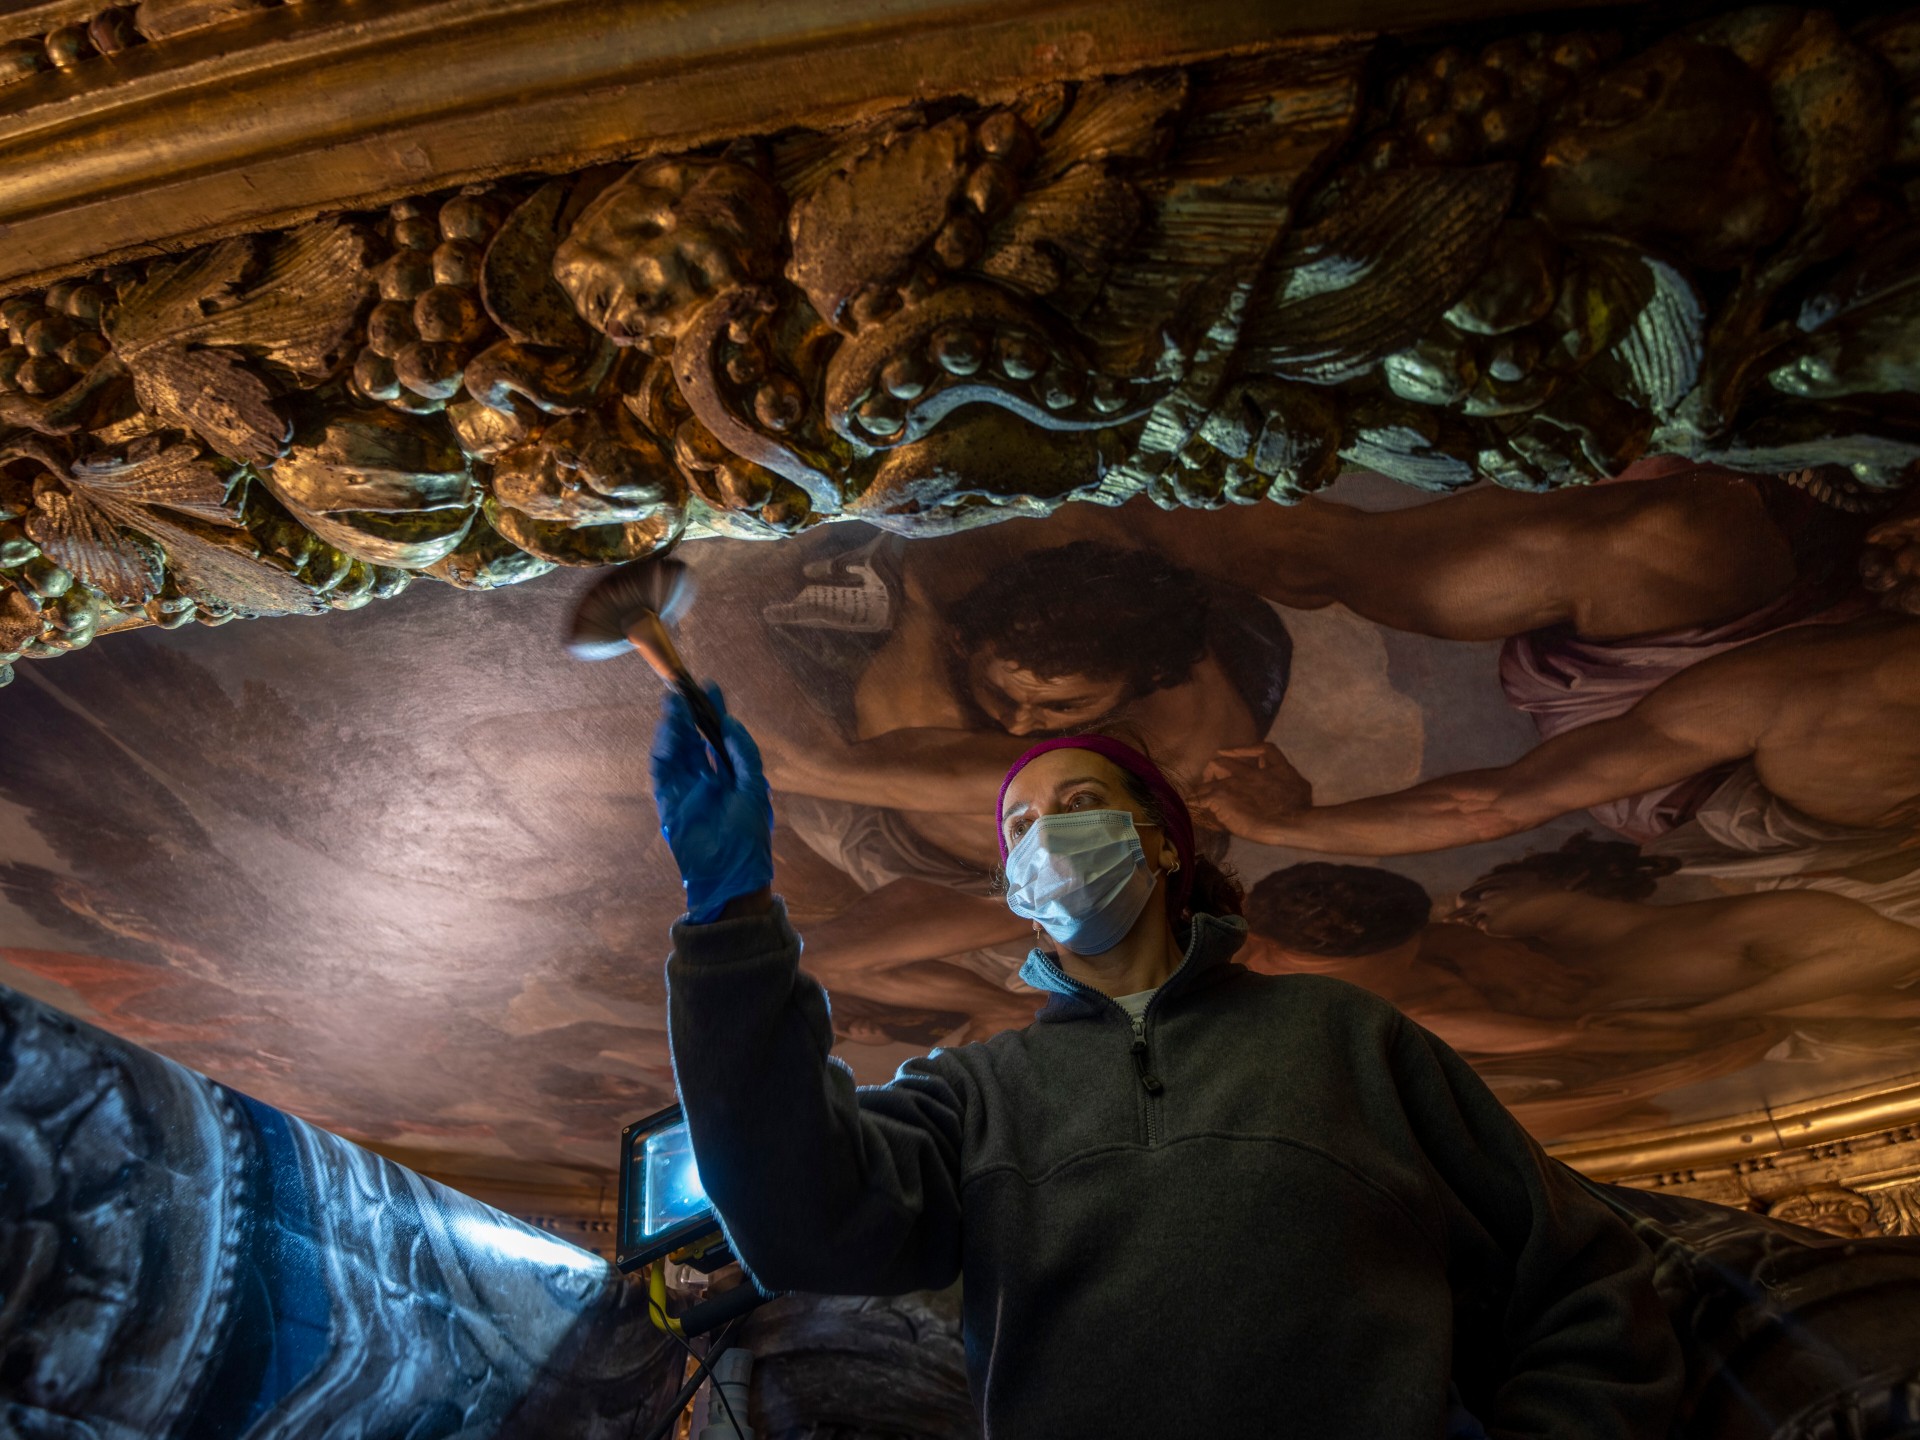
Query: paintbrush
{"x": 634, "y": 608}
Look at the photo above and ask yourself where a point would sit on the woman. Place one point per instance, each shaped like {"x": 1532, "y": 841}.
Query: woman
{"x": 1188, "y": 1199}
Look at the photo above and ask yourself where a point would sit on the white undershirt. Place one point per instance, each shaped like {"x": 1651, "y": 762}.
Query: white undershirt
{"x": 1136, "y": 1007}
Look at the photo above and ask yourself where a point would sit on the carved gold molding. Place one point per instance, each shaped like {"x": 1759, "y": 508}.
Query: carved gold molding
{"x": 1847, "y": 1163}
{"x": 1886, "y": 1108}
{"x": 249, "y": 115}
{"x": 1525, "y": 254}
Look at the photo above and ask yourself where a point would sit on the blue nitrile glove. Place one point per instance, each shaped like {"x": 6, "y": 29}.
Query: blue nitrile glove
{"x": 720, "y": 830}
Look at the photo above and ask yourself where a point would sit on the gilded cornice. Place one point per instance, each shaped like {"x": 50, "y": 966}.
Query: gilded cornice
{"x": 275, "y": 113}
{"x": 1847, "y": 1162}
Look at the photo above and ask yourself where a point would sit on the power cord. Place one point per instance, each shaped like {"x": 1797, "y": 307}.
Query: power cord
{"x": 701, "y": 1373}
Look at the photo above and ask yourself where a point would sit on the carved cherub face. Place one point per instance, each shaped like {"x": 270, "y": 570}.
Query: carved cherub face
{"x": 662, "y": 240}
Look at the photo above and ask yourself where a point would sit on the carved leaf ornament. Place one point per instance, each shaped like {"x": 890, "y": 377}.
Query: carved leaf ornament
{"x": 1530, "y": 261}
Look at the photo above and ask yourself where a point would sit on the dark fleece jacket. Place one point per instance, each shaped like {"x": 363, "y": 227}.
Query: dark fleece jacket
{"x": 1293, "y": 1211}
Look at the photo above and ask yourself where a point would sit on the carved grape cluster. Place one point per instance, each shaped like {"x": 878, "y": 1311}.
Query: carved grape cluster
{"x": 42, "y": 611}
{"x": 1457, "y": 108}
{"x": 1493, "y": 278}
{"x": 55, "y": 338}
{"x": 337, "y": 579}
{"x": 429, "y": 321}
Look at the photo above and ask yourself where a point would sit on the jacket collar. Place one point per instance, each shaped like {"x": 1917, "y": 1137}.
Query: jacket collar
{"x": 1211, "y": 943}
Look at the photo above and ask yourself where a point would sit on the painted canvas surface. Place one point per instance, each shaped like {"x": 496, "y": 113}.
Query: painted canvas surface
{"x": 1613, "y": 789}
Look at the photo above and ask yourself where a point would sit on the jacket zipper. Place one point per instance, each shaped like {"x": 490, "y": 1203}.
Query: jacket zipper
{"x": 1150, "y": 1082}
{"x": 1140, "y": 1049}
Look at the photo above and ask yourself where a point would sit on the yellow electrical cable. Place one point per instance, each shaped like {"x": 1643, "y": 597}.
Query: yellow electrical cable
{"x": 657, "y": 1300}
{"x": 657, "y": 1311}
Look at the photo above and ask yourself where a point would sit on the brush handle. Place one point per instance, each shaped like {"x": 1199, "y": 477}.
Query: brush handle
{"x": 706, "y": 720}
{"x": 648, "y": 634}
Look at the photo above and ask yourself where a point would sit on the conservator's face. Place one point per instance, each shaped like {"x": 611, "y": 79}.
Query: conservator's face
{"x": 1023, "y": 703}
{"x": 1062, "y": 781}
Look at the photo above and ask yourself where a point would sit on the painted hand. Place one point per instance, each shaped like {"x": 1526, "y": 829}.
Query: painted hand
{"x": 1252, "y": 791}
{"x": 719, "y": 828}
{"x": 1890, "y": 563}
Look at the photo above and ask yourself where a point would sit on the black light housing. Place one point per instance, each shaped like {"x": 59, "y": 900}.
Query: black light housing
{"x": 663, "y": 1206}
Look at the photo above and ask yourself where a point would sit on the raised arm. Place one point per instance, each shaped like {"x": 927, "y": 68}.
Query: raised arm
{"x": 1685, "y": 726}
{"x": 819, "y": 1186}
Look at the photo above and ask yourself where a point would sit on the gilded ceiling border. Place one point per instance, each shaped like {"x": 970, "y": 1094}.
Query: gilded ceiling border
{"x": 1847, "y": 1163}
{"x": 247, "y": 114}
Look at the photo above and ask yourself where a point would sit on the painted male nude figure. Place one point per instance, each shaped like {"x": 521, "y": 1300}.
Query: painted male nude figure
{"x": 1517, "y": 1013}
{"x": 1825, "y": 717}
{"x": 1621, "y": 960}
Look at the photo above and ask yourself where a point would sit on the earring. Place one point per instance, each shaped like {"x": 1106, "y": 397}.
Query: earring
{"x": 1173, "y": 868}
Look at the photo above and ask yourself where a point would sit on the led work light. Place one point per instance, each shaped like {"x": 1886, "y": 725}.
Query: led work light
{"x": 663, "y": 1206}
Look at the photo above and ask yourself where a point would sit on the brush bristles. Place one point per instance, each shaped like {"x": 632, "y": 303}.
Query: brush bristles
{"x": 601, "y": 619}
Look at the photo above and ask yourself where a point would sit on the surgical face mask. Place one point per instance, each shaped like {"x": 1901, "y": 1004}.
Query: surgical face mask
{"x": 1082, "y": 876}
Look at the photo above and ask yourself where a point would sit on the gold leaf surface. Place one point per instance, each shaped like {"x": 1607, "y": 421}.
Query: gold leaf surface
{"x": 301, "y": 309}
{"x": 178, "y": 477}
{"x": 215, "y": 395}
{"x": 220, "y": 568}
{"x": 864, "y": 226}
{"x": 80, "y": 537}
{"x": 177, "y": 295}
{"x": 1126, "y": 121}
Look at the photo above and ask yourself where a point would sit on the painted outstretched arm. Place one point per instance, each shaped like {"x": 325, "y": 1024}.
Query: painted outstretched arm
{"x": 1676, "y": 732}
{"x": 942, "y": 770}
{"x": 904, "y": 922}
{"x": 1483, "y": 1032}
{"x": 946, "y": 770}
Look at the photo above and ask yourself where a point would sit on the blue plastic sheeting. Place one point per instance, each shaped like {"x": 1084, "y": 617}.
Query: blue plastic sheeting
{"x": 183, "y": 1261}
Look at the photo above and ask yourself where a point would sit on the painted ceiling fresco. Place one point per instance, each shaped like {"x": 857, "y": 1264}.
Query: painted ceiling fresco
{"x": 1614, "y": 789}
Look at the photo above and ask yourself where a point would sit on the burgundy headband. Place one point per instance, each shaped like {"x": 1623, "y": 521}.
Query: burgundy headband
{"x": 1173, "y": 810}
